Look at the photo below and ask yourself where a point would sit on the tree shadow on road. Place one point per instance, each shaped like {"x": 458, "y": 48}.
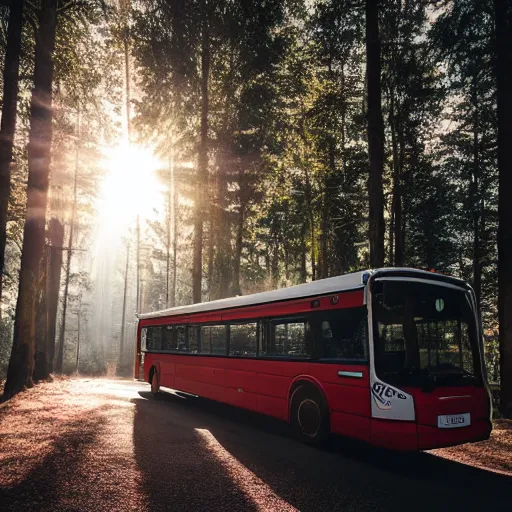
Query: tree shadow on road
{"x": 178, "y": 471}
{"x": 345, "y": 474}
{"x": 53, "y": 482}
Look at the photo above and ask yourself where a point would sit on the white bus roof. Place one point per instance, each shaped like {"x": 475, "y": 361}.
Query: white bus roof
{"x": 320, "y": 287}
{"x": 336, "y": 284}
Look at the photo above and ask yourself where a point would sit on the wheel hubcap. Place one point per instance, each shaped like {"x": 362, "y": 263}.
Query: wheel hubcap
{"x": 309, "y": 417}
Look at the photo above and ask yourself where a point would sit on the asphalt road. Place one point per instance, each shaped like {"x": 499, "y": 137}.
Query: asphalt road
{"x": 174, "y": 453}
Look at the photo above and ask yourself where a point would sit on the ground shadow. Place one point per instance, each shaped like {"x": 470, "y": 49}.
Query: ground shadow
{"x": 343, "y": 475}
{"x": 54, "y": 483}
{"x": 177, "y": 469}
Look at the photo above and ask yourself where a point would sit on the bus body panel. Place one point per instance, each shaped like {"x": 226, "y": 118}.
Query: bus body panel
{"x": 447, "y": 401}
{"x": 394, "y": 434}
{"x": 349, "y": 425}
{"x": 433, "y": 437}
{"x": 264, "y": 385}
{"x": 450, "y": 400}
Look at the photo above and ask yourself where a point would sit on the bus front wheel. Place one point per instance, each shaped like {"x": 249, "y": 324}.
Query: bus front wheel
{"x": 309, "y": 415}
{"x": 155, "y": 385}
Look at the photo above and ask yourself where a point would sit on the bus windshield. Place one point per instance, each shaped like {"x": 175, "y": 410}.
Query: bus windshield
{"x": 425, "y": 335}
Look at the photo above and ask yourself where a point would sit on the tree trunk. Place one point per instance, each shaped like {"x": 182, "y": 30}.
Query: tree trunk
{"x": 323, "y": 260}
{"x": 303, "y": 274}
{"x": 236, "y": 290}
{"x": 325, "y": 222}
{"x": 202, "y": 164}
{"x": 223, "y": 258}
{"x": 138, "y": 307}
{"x": 375, "y": 135}
{"x": 123, "y": 315}
{"x": 286, "y": 254}
{"x": 475, "y": 202}
{"x": 62, "y": 334}
{"x": 394, "y": 147}
{"x": 168, "y": 235}
{"x": 267, "y": 261}
{"x": 77, "y": 340}
{"x": 399, "y": 218}
{"x": 212, "y": 232}
{"x": 211, "y": 251}
{"x": 21, "y": 364}
{"x": 174, "y": 213}
{"x": 391, "y": 232}
{"x": 503, "y": 13}
{"x": 8, "y": 126}
{"x": 125, "y": 6}
{"x": 274, "y": 264}
{"x": 55, "y": 268}
{"x": 127, "y": 84}
{"x": 41, "y": 339}
{"x": 311, "y": 215}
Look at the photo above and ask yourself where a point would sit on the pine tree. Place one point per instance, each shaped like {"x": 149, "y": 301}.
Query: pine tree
{"x": 9, "y": 111}
{"x": 22, "y": 358}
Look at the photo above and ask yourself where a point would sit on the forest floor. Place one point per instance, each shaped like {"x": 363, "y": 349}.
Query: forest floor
{"x": 494, "y": 454}
{"x": 64, "y": 445}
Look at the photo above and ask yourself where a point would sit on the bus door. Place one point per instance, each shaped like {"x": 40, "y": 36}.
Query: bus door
{"x": 139, "y": 357}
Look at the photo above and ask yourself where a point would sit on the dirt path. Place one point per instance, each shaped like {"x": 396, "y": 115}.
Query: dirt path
{"x": 108, "y": 445}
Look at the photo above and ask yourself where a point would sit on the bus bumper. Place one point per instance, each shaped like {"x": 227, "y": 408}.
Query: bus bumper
{"x": 430, "y": 437}
{"x": 409, "y": 436}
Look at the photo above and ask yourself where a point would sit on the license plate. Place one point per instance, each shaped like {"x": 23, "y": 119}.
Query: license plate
{"x": 454, "y": 420}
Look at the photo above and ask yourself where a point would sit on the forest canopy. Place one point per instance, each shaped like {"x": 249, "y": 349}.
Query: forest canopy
{"x": 156, "y": 153}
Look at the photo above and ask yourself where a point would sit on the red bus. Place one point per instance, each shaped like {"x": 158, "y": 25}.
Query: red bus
{"x": 393, "y": 357}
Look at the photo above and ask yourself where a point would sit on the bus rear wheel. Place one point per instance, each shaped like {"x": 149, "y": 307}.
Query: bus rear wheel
{"x": 155, "y": 384}
{"x": 309, "y": 415}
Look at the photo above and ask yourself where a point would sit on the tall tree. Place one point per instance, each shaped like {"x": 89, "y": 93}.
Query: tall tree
{"x": 122, "y": 356}
{"x": 9, "y": 112}
{"x": 375, "y": 134}
{"x": 503, "y": 20}
{"x": 202, "y": 159}
{"x": 56, "y": 230}
{"x": 71, "y": 240}
{"x": 21, "y": 364}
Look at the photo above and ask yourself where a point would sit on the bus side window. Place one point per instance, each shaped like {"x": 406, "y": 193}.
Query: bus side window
{"x": 168, "y": 338}
{"x": 342, "y": 333}
{"x": 213, "y": 339}
{"x": 263, "y": 339}
{"x": 243, "y": 339}
{"x": 290, "y": 338}
{"x": 218, "y": 339}
{"x": 193, "y": 339}
{"x": 180, "y": 339}
{"x": 154, "y": 338}
{"x": 205, "y": 337}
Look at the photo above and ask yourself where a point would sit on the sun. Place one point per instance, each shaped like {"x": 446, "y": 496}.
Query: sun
{"x": 130, "y": 187}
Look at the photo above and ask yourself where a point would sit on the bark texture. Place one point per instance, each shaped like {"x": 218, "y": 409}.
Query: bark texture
{"x": 21, "y": 364}
{"x": 375, "y": 135}
{"x": 202, "y": 164}
{"x": 503, "y": 13}
{"x": 55, "y": 269}
{"x": 8, "y": 126}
